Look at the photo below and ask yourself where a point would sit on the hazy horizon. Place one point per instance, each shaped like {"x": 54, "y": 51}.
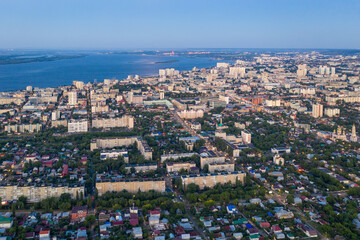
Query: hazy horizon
{"x": 171, "y": 49}
{"x": 163, "y": 24}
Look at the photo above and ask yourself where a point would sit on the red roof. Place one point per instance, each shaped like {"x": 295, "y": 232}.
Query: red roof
{"x": 49, "y": 163}
{"x": 134, "y": 221}
{"x": 155, "y": 212}
{"x": 117, "y": 223}
{"x": 276, "y": 228}
{"x": 265, "y": 224}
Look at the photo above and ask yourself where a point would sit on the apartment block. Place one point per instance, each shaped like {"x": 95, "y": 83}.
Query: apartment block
{"x": 124, "y": 121}
{"x": 103, "y": 143}
{"x": 80, "y": 125}
{"x": 35, "y": 193}
{"x": 331, "y": 112}
{"x": 178, "y": 166}
{"x": 211, "y": 179}
{"x": 114, "y": 154}
{"x": 99, "y": 109}
{"x": 131, "y": 185}
{"x": 221, "y": 167}
{"x": 22, "y": 128}
{"x": 210, "y": 157}
{"x": 177, "y": 156}
{"x": 146, "y": 167}
{"x": 191, "y": 114}
{"x": 317, "y": 110}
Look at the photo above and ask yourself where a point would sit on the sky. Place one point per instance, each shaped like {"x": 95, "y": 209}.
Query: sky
{"x": 171, "y": 24}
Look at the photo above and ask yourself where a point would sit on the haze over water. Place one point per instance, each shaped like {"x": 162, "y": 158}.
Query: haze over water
{"x": 99, "y": 67}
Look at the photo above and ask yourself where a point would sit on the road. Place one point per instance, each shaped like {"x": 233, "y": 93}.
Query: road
{"x": 194, "y": 133}
{"x": 196, "y": 226}
{"x": 261, "y": 231}
{"x": 185, "y": 126}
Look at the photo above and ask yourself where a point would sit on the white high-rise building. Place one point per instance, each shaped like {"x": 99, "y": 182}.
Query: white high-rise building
{"x": 330, "y": 112}
{"x": 168, "y": 72}
{"x": 72, "y": 98}
{"x": 55, "y": 115}
{"x": 302, "y": 71}
{"x": 80, "y": 125}
{"x": 325, "y": 70}
{"x": 237, "y": 72}
{"x": 308, "y": 91}
{"x": 273, "y": 103}
{"x": 191, "y": 114}
{"x": 246, "y": 137}
{"x": 317, "y": 110}
{"x": 333, "y": 71}
{"x": 29, "y": 88}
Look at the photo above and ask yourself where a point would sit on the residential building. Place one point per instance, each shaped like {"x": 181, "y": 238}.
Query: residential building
{"x": 317, "y": 110}
{"x": 78, "y": 125}
{"x": 211, "y": 179}
{"x": 177, "y": 166}
{"x": 131, "y": 185}
{"x": 103, "y": 143}
{"x": 38, "y": 192}
{"x": 124, "y": 121}
{"x": 72, "y": 98}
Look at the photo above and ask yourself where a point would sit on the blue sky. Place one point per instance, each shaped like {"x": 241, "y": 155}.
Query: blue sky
{"x": 139, "y": 24}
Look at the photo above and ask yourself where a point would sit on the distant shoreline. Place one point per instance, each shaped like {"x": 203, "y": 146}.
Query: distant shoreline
{"x": 46, "y": 70}
{"x": 15, "y": 60}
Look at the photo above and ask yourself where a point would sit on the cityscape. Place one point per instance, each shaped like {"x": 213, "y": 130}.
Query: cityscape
{"x": 179, "y": 120}
{"x": 261, "y": 148}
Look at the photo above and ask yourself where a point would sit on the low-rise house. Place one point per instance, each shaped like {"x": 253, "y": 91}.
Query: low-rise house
{"x": 79, "y": 213}
{"x": 309, "y": 231}
{"x": 6, "y": 222}
{"x": 137, "y": 232}
{"x": 283, "y": 214}
{"x": 231, "y": 209}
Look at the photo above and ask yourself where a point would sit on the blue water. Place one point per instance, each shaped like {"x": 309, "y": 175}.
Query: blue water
{"x": 94, "y": 66}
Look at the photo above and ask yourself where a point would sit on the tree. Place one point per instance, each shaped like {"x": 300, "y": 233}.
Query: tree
{"x": 89, "y": 201}
{"x": 192, "y": 210}
{"x": 192, "y": 188}
{"x": 89, "y": 220}
{"x": 64, "y": 206}
{"x": 290, "y": 199}
{"x": 65, "y": 197}
{"x": 21, "y": 203}
{"x": 331, "y": 199}
{"x": 355, "y": 191}
{"x": 206, "y": 168}
{"x": 81, "y": 195}
{"x": 77, "y": 196}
